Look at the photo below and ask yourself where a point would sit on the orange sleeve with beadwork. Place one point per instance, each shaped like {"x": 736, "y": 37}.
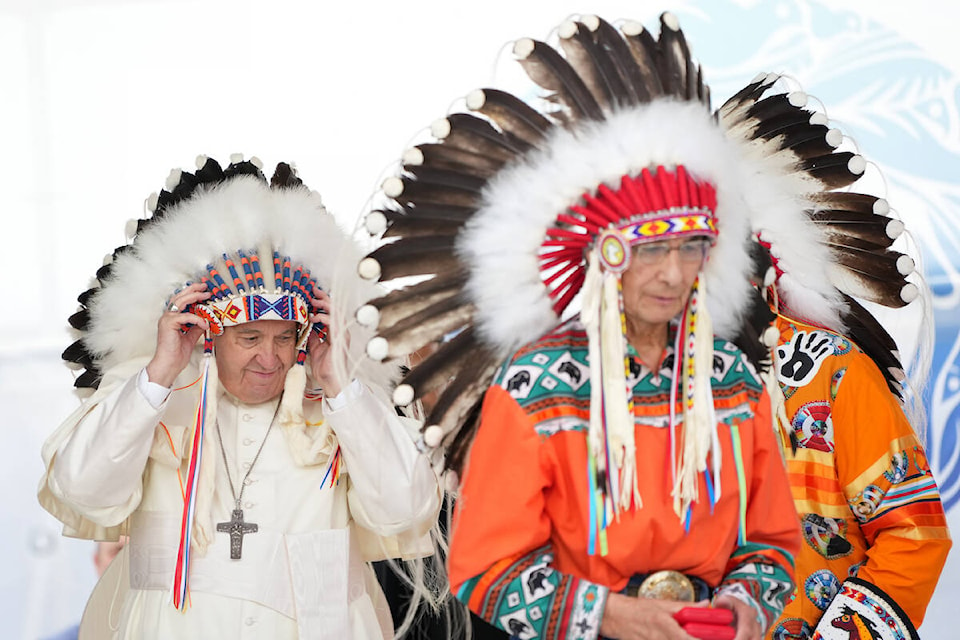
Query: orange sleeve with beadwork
{"x": 883, "y": 472}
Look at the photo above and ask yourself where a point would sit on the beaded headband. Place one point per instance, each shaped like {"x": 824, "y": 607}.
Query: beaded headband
{"x": 213, "y": 226}
{"x": 249, "y": 299}
{"x": 651, "y": 206}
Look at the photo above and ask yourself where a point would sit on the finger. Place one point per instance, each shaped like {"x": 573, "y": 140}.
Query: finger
{"x": 182, "y": 306}
{"x": 187, "y": 297}
{"x": 673, "y": 606}
{"x": 190, "y": 288}
{"x": 181, "y": 320}
{"x": 315, "y": 342}
{"x": 745, "y": 618}
{"x": 191, "y": 334}
{"x": 319, "y": 304}
{"x": 745, "y": 632}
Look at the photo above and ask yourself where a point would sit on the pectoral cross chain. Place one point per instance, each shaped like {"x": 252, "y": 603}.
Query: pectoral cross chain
{"x": 237, "y": 528}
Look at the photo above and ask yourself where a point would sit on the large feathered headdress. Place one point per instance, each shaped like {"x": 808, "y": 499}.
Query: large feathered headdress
{"x": 485, "y": 215}
{"x": 836, "y": 250}
{"x": 259, "y": 247}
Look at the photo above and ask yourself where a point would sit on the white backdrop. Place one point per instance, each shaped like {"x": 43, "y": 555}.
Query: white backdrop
{"x": 100, "y": 98}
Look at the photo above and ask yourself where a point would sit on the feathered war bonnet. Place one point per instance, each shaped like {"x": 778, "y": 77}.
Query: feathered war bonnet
{"x": 824, "y": 250}
{"x": 259, "y": 247}
{"x": 514, "y": 216}
{"x": 521, "y": 213}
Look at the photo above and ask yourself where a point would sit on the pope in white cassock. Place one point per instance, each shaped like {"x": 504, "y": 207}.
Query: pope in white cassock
{"x": 256, "y": 472}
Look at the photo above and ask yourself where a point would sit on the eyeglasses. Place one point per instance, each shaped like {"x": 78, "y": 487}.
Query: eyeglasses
{"x": 691, "y": 251}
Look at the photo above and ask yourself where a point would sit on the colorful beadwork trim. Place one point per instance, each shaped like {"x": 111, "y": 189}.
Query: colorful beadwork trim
{"x": 649, "y": 206}
{"x": 670, "y": 224}
{"x": 247, "y": 300}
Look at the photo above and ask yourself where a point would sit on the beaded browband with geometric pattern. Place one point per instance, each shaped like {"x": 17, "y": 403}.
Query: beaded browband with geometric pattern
{"x": 288, "y": 300}
{"x": 214, "y": 226}
{"x": 651, "y": 206}
{"x": 230, "y": 307}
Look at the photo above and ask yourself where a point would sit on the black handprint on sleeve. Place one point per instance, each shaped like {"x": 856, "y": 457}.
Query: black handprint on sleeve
{"x": 799, "y": 359}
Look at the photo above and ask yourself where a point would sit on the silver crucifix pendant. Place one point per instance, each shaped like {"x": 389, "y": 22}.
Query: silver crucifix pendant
{"x": 237, "y": 528}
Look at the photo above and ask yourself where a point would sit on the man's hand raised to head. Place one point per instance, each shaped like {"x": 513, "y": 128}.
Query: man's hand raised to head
{"x": 319, "y": 353}
{"x": 177, "y": 334}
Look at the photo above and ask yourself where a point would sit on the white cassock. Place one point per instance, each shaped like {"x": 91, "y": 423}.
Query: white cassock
{"x": 116, "y": 466}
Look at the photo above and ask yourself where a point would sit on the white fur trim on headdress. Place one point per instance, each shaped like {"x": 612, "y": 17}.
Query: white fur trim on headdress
{"x": 241, "y": 213}
{"x": 776, "y": 201}
{"x": 522, "y": 202}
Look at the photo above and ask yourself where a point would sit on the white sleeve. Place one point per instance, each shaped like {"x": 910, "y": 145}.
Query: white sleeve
{"x": 98, "y": 469}
{"x": 393, "y": 487}
{"x": 156, "y": 394}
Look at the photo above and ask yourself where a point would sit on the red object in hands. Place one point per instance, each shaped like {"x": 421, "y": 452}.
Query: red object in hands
{"x": 706, "y": 623}
{"x": 703, "y": 631}
{"x": 705, "y": 615}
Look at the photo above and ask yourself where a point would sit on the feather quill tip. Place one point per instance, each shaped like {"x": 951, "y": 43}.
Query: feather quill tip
{"x": 130, "y": 229}
{"x": 377, "y": 348}
{"x": 440, "y": 128}
{"x": 476, "y": 99}
{"x": 258, "y": 163}
{"x": 523, "y": 47}
{"x": 567, "y": 30}
{"x": 770, "y": 337}
{"x": 797, "y": 99}
{"x": 909, "y": 292}
{"x": 818, "y": 119}
{"x": 905, "y": 265}
{"x": 894, "y": 228}
{"x": 670, "y": 21}
{"x": 834, "y": 137}
{"x": 368, "y": 316}
{"x": 770, "y": 277}
{"x": 73, "y": 366}
{"x": 392, "y": 187}
{"x": 375, "y": 223}
{"x": 152, "y": 200}
{"x": 632, "y": 28}
{"x": 897, "y": 373}
{"x": 236, "y": 158}
{"x": 881, "y": 207}
{"x": 403, "y": 395}
{"x": 173, "y": 179}
{"x": 200, "y": 161}
{"x": 107, "y": 259}
{"x": 369, "y": 269}
{"x": 857, "y": 165}
{"x": 590, "y": 21}
{"x": 433, "y": 436}
{"x": 412, "y": 157}
{"x": 451, "y": 480}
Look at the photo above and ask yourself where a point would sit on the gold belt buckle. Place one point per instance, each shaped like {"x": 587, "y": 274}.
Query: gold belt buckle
{"x": 667, "y": 585}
